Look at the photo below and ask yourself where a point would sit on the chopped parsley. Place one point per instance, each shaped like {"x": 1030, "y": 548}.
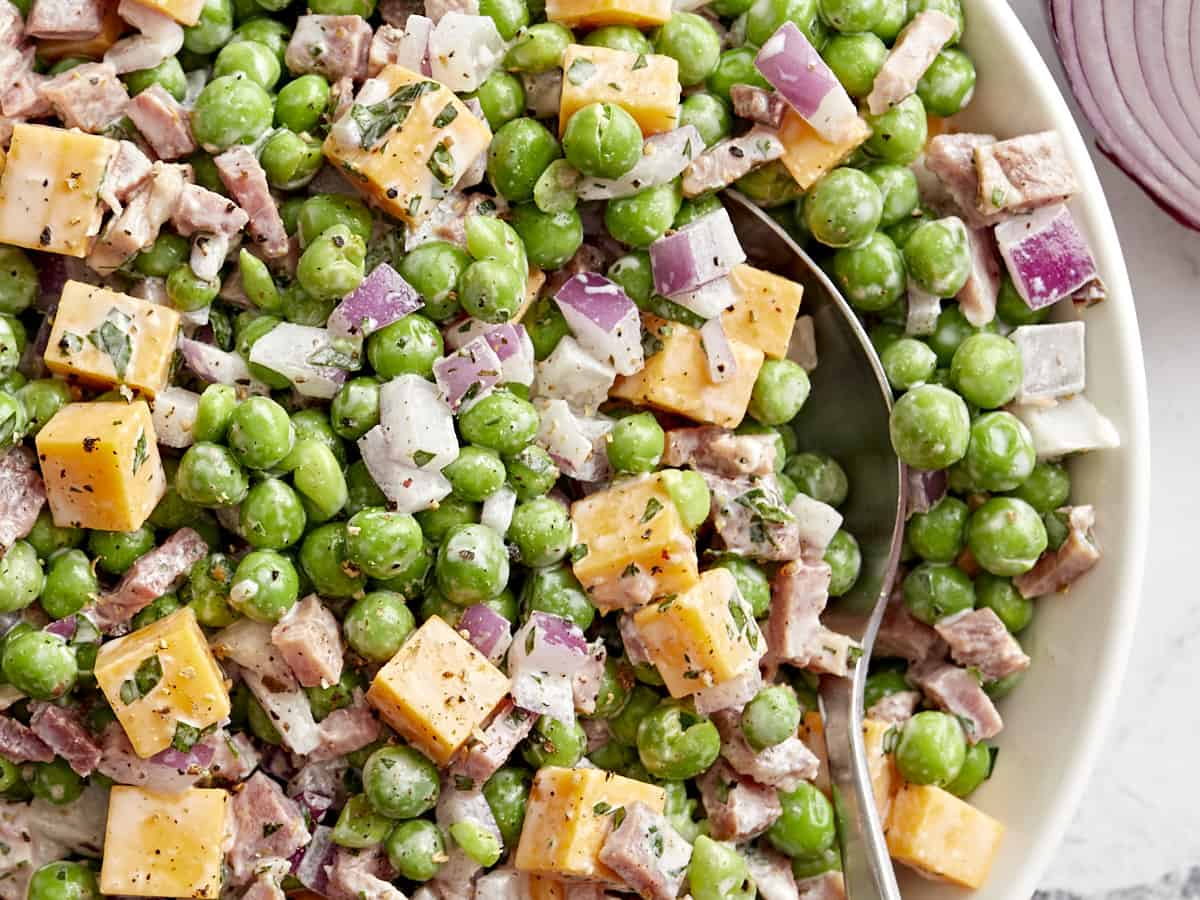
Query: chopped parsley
{"x": 653, "y": 508}
{"x": 441, "y": 164}
{"x": 139, "y": 452}
{"x": 70, "y": 343}
{"x": 446, "y": 116}
{"x": 111, "y": 337}
{"x": 145, "y": 679}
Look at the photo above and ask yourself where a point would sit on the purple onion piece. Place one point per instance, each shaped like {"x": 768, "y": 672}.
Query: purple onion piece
{"x": 199, "y": 757}
{"x": 382, "y": 298}
{"x": 722, "y": 364}
{"x": 486, "y": 629}
{"x": 792, "y": 65}
{"x": 702, "y": 252}
{"x": 469, "y": 373}
{"x": 1046, "y": 254}
{"x": 925, "y": 489}
{"x": 64, "y": 628}
{"x": 310, "y": 868}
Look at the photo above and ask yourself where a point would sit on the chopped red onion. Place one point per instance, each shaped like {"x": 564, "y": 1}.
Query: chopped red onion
{"x": 469, "y": 374}
{"x": 174, "y": 414}
{"x": 572, "y": 374}
{"x": 709, "y": 300}
{"x": 722, "y": 363}
{"x": 497, "y": 510}
{"x": 977, "y": 299}
{"x": 199, "y": 757}
{"x": 1053, "y": 360}
{"x": 462, "y": 331}
{"x": 925, "y": 490}
{"x": 1046, "y": 254}
{"x": 305, "y": 356}
{"x": 701, "y": 252}
{"x": 409, "y": 489}
{"x": 604, "y": 320}
{"x": 417, "y": 424}
{"x": 487, "y": 630}
{"x": 63, "y": 628}
{"x": 214, "y": 365}
{"x": 577, "y": 443}
{"x": 310, "y": 869}
{"x": 1072, "y": 425}
{"x": 515, "y": 349}
{"x": 817, "y": 522}
{"x": 923, "y": 311}
{"x": 413, "y": 52}
{"x": 664, "y": 157}
{"x": 793, "y": 67}
{"x": 381, "y": 299}
{"x": 464, "y": 50}
{"x": 545, "y": 654}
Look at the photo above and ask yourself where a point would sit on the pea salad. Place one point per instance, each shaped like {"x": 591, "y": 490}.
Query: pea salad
{"x": 401, "y": 487}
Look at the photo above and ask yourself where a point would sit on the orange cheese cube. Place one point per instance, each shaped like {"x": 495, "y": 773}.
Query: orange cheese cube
{"x": 878, "y": 738}
{"x": 807, "y": 155}
{"x": 187, "y": 686}
{"x": 812, "y": 732}
{"x": 101, "y": 465}
{"x": 702, "y": 637}
{"x": 645, "y": 85}
{"x": 569, "y": 816}
{"x": 111, "y": 26}
{"x": 104, "y": 338}
{"x": 676, "y": 379}
{"x": 765, "y": 312}
{"x": 594, "y": 13}
{"x": 164, "y": 845}
{"x": 632, "y": 532}
{"x": 437, "y": 689}
{"x": 50, "y": 190}
{"x": 942, "y": 836}
{"x": 420, "y": 159}
{"x": 185, "y": 12}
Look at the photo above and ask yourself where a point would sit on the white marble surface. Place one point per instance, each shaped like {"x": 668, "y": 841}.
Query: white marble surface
{"x": 1137, "y": 834}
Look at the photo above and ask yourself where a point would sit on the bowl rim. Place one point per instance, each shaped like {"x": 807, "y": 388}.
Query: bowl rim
{"x": 1000, "y": 21}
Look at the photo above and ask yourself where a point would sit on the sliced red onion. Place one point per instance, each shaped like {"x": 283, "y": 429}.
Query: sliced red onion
{"x": 708, "y": 300}
{"x": 468, "y": 375}
{"x": 487, "y": 630}
{"x": 802, "y": 348}
{"x": 460, "y": 332}
{"x": 382, "y": 298}
{"x": 1047, "y": 255}
{"x": 214, "y": 365}
{"x": 549, "y": 643}
{"x": 417, "y": 424}
{"x": 925, "y": 490}
{"x": 701, "y": 252}
{"x": 63, "y": 628}
{"x": 1054, "y": 362}
{"x": 572, "y": 374}
{"x": 604, "y": 320}
{"x": 408, "y": 489}
{"x": 199, "y": 757}
{"x": 1072, "y": 425}
{"x": 577, "y": 443}
{"x": 302, "y": 354}
{"x": 497, "y": 510}
{"x": 664, "y": 157}
{"x": 817, "y": 522}
{"x": 923, "y": 311}
{"x": 310, "y": 869}
{"x": 793, "y": 67}
{"x": 174, "y": 416}
{"x": 722, "y": 363}
{"x": 515, "y": 349}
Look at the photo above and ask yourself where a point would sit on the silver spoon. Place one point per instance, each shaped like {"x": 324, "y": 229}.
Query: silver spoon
{"x": 846, "y": 415}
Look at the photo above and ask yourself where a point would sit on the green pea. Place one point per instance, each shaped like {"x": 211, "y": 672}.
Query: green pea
{"x": 987, "y": 370}
{"x": 541, "y": 531}
{"x": 213, "y": 29}
{"x": 208, "y": 586}
{"x": 771, "y": 717}
{"x": 898, "y": 135}
{"x": 489, "y": 238}
{"x": 520, "y": 151}
{"x": 1047, "y": 488}
{"x": 845, "y": 560}
{"x": 10, "y": 775}
{"x": 64, "y": 881}
{"x": 188, "y": 292}
{"x": 932, "y": 749}
{"x": 21, "y": 577}
{"x": 934, "y": 591}
{"x": 302, "y": 103}
{"x": 168, "y": 74}
{"x": 675, "y": 742}
{"x": 615, "y": 685}
{"x": 851, "y": 15}
{"x": 641, "y": 219}
{"x": 56, "y": 783}
{"x": 550, "y": 238}
{"x": 42, "y": 398}
{"x": 952, "y": 329}
{"x": 377, "y": 624}
{"x": 269, "y": 32}
{"x": 159, "y": 609}
{"x": 355, "y": 408}
{"x": 1006, "y": 536}
{"x": 780, "y": 391}
{"x": 260, "y": 723}
{"x": 265, "y": 586}
{"x": 883, "y": 684}
{"x": 254, "y": 60}
{"x": 806, "y": 826}
{"x": 614, "y": 757}
{"x": 636, "y": 443}
{"x": 690, "y": 494}
{"x": 257, "y": 282}
{"x": 359, "y": 826}
{"x": 555, "y": 743}
{"x": 602, "y": 140}
{"x": 363, "y": 8}
{"x": 976, "y": 769}
{"x": 752, "y": 581}
{"x": 894, "y": 17}
{"x": 491, "y": 290}
{"x": 820, "y": 476}
{"x": 13, "y": 420}
{"x": 539, "y": 49}
{"x": 332, "y": 265}
{"x": 689, "y": 211}
{"x": 939, "y": 534}
{"x": 411, "y": 582}
{"x": 871, "y": 274}
{"x": 1000, "y": 455}
{"x": 38, "y": 663}
{"x": 314, "y": 424}
{"x": 502, "y": 97}
{"x": 907, "y": 363}
{"x": 400, "y": 783}
{"x": 472, "y": 565}
{"x": 322, "y": 212}
{"x": 717, "y": 871}
{"x": 272, "y": 516}
{"x": 898, "y": 185}
{"x": 930, "y": 427}
{"x": 500, "y": 421}
{"x": 450, "y": 513}
{"x": 116, "y": 551}
{"x": 771, "y": 186}
{"x": 415, "y": 849}
{"x": 510, "y": 16}
{"x": 381, "y": 543}
{"x": 476, "y": 474}
{"x": 1012, "y": 310}
{"x": 691, "y": 41}
{"x": 247, "y": 336}
{"x": 339, "y": 695}
{"x": 619, "y": 37}
{"x": 555, "y": 589}
{"x": 554, "y": 191}
{"x": 507, "y": 793}
{"x": 323, "y": 556}
{"x": 765, "y": 16}
{"x": 408, "y": 346}
{"x": 230, "y": 110}
{"x": 939, "y": 257}
{"x": 290, "y": 160}
{"x": 624, "y": 726}
{"x": 999, "y": 595}
{"x": 735, "y": 66}
{"x": 843, "y": 208}
{"x": 546, "y": 326}
{"x": 856, "y": 59}
{"x": 948, "y": 83}
{"x": 168, "y": 252}
{"x": 709, "y": 114}
{"x": 260, "y": 433}
{"x": 70, "y": 584}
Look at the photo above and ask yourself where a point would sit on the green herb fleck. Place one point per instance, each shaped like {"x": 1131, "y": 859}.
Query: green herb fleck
{"x": 446, "y": 116}
{"x": 112, "y": 338}
{"x": 653, "y": 508}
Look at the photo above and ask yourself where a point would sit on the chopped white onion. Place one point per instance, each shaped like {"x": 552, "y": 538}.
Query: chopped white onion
{"x": 408, "y": 489}
{"x": 604, "y": 320}
{"x": 722, "y": 363}
{"x": 417, "y": 424}
{"x": 497, "y": 511}
{"x": 1072, "y": 425}
{"x": 818, "y": 522}
{"x": 574, "y": 375}
{"x": 297, "y": 352}
{"x": 464, "y": 50}
{"x": 175, "y": 416}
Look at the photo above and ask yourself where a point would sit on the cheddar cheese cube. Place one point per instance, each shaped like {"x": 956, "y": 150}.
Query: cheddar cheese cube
{"x": 765, "y": 311}
{"x": 594, "y": 13}
{"x": 104, "y": 338}
{"x": 807, "y": 155}
{"x": 50, "y": 190}
{"x": 645, "y": 85}
{"x": 437, "y": 690}
{"x": 675, "y": 378}
{"x": 101, "y": 465}
{"x": 163, "y": 682}
{"x": 569, "y": 816}
{"x": 942, "y": 836}
{"x": 634, "y": 544}
{"x": 408, "y": 168}
{"x": 701, "y": 637}
{"x": 111, "y": 26}
{"x": 164, "y": 845}
{"x": 878, "y": 738}
{"x": 185, "y": 12}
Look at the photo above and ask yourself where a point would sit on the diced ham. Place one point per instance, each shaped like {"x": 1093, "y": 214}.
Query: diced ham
{"x": 726, "y": 161}
{"x": 19, "y": 744}
{"x": 151, "y": 576}
{"x": 979, "y": 640}
{"x": 646, "y": 851}
{"x": 915, "y": 49}
{"x": 267, "y": 825}
{"x": 160, "y": 37}
{"x": 265, "y": 887}
{"x": 977, "y": 299}
{"x": 22, "y": 495}
{"x": 397, "y": 12}
{"x": 1059, "y": 569}
{"x": 435, "y": 9}
{"x": 751, "y": 518}
{"x": 903, "y": 635}
{"x": 61, "y": 728}
{"x": 127, "y": 171}
{"x": 119, "y": 762}
{"x": 89, "y": 97}
{"x": 482, "y": 758}
{"x": 959, "y": 693}
{"x": 341, "y": 98}
{"x": 201, "y": 211}
{"x": 951, "y": 158}
{"x": 896, "y": 708}
{"x": 720, "y": 451}
{"x": 772, "y": 874}
{"x": 245, "y": 179}
{"x": 585, "y": 683}
{"x": 310, "y": 642}
{"x": 346, "y": 730}
{"x": 163, "y": 122}
{"x": 407, "y": 46}
{"x": 356, "y": 874}
{"x": 139, "y": 222}
{"x": 68, "y": 20}
{"x": 333, "y": 46}
{"x": 734, "y": 693}
{"x": 739, "y": 808}
{"x": 1023, "y": 173}
{"x": 234, "y": 757}
{"x": 826, "y": 886}
{"x": 799, "y": 592}
{"x": 758, "y": 104}
{"x": 27, "y": 850}
{"x": 22, "y": 90}
{"x": 781, "y": 766}
{"x": 386, "y": 46}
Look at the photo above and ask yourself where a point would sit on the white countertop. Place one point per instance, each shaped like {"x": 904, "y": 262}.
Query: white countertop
{"x": 1136, "y": 835}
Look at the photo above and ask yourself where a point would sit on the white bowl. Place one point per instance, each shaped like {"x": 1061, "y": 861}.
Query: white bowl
{"x": 1057, "y": 719}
